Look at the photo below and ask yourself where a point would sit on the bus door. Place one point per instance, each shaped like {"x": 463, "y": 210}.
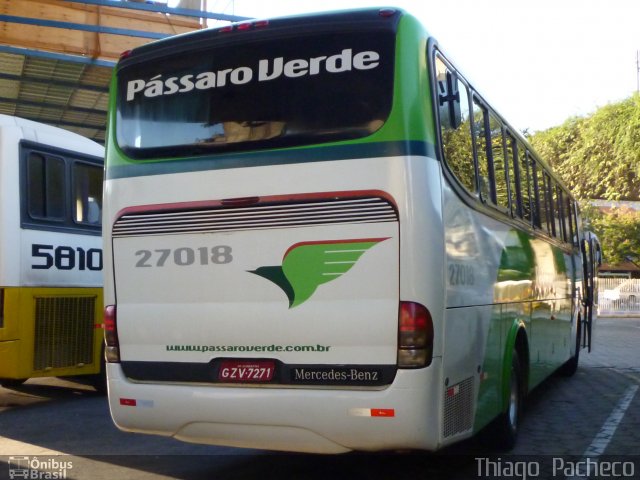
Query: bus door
{"x": 591, "y": 260}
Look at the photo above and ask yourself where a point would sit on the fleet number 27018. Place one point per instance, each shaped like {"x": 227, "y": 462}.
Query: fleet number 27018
{"x": 184, "y": 256}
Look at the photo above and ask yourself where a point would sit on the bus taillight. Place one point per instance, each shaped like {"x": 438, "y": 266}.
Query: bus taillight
{"x": 415, "y": 336}
{"x": 387, "y": 12}
{"x": 112, "y": 350}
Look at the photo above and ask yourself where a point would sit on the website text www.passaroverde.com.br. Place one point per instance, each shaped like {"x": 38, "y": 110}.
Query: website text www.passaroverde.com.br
{"x": 248, "y": 348}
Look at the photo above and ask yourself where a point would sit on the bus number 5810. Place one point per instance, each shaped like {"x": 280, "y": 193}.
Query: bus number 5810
{"x": 66, "y": 258}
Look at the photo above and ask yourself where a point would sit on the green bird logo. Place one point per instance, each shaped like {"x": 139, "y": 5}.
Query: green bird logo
{"x": 307, "y": 265}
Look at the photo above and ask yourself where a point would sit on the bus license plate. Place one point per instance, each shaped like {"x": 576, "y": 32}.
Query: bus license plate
{"x": 246, "y": 371}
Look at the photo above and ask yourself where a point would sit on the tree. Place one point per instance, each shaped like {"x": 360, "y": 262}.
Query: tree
{"x": 597, "y": 156}
{"x": 618, "y": 230}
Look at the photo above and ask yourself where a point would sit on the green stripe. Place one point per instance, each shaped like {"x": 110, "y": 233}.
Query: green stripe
{"x": 272, "y": 157}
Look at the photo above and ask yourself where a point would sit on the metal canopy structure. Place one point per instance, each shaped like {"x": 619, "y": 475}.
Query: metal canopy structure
{"x": 56, "y": 56}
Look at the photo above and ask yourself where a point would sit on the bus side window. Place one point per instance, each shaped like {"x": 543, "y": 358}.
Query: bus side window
{"x": 548, "y": 199}
{"x": 87, "y": 188}
{"x": 575, "y": 216}
{"x": 561, "y": 224}
{"x": 500, "y": 185}
{"x": 455, "y": 132}
{"x": 571, "y": 219}
{"x": 45, "y": 187}
{"x": 540, "y": 197}
{"x": 482, "y": 130}
{"x": 533, "y": 194}
{"x": 524, "y": 174}
{"x": 515, "y": 179}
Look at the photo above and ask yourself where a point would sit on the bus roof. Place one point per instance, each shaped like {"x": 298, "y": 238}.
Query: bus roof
{"x": 342, "y": 19}
{"x": 50, "y": 135}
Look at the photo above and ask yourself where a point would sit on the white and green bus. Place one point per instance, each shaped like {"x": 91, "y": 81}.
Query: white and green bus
{"x": 320, "y": 237}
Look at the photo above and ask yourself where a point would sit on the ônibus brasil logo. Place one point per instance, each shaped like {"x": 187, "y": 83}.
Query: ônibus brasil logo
{"x": 307, "y": 265}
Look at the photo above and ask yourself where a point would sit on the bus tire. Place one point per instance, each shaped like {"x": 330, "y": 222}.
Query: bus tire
{"x": 508, "y": 423}
{"x": 12, "y": 382}
{"x": 99, "y": 380}
{"x": 570, "y": 367}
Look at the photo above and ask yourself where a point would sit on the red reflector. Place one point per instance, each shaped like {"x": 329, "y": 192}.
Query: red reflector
{"x": 243, "y": 26}
{"x": 228, "y": 28}
{"x": 387, "y": 12}
{"x": 125, "y": 54}
{"x": 261, "y": 23}
{"x": 128, "y": 402}
{"x": 383, "y": 412}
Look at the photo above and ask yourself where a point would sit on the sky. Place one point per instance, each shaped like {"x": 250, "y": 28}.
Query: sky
{"x": 538, "y": 62}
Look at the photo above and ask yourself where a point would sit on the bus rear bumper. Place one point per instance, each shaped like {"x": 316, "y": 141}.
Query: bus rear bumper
{"x": 401, "y": 416}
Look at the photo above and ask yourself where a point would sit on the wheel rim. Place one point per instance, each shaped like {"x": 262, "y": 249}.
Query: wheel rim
{"x": 513, "y": 401}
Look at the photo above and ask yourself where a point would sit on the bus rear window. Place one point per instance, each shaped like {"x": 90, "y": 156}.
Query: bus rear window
{"x": 268, "y": 94}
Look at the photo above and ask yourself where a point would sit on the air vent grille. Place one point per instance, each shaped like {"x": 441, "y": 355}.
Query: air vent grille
{"x": 265, "y": 216}
{"x": 458, "y": 408}
{"x": 64, "y": 332}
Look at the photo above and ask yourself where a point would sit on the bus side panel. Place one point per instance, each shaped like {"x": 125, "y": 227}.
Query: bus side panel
{"x": 9, "y": 207}
{"x": 51, "y": 332}
{"x": 474, "y": 324}
{"x": 552, "y": 319}
{"x": 10, "y": 345}
{"x": 499, "y": 275}
{"x": 58, "y": 259}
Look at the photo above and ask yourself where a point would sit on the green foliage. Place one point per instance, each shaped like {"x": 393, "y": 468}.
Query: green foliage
{"x": 619, "y": 231}
{"x": 597, "y": 156}
{"x": 458, "y": 150}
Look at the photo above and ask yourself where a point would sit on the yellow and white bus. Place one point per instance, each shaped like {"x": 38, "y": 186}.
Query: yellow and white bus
{"x": 50, "y": 252}
{"x": 320, "y": 237}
